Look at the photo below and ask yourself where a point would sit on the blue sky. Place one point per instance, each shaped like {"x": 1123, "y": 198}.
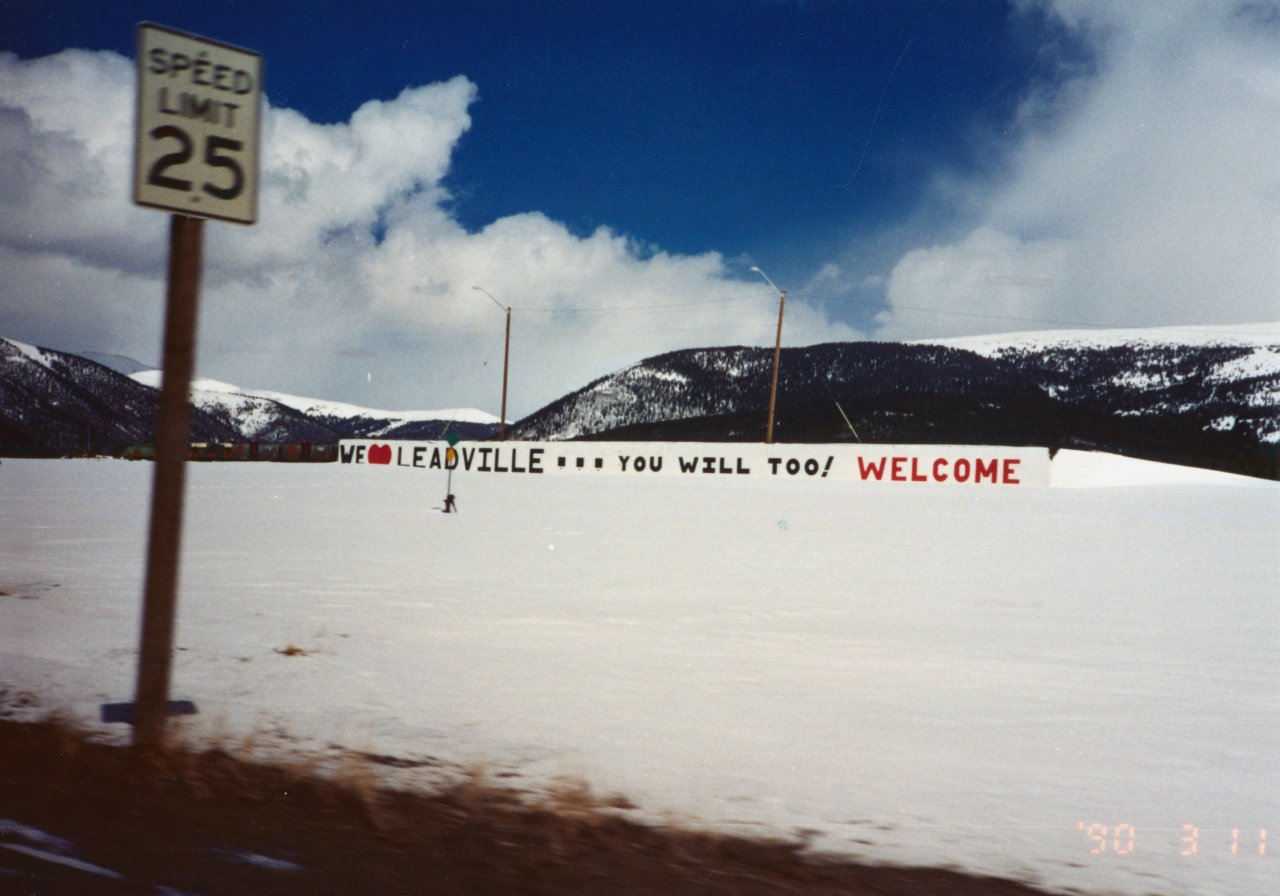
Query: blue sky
{"x": 904, "y": 169}
{"x": 694, "y": 126}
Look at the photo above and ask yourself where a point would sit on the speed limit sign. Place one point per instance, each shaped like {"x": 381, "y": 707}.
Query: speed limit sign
{"x": 196, "y": 147}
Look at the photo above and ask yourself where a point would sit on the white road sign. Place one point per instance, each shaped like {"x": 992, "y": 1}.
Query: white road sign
{"x": 196, "y": 146}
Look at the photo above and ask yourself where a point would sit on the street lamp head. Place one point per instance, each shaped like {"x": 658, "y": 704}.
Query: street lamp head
{"x": 767, "y": 280}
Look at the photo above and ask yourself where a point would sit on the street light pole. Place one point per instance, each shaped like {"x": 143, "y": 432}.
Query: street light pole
{"x": 506, "y": 353}
{"x": 777, "y": 353}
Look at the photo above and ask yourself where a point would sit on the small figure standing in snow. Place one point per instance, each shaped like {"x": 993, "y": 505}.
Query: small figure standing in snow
{"x": 450, "y": 505}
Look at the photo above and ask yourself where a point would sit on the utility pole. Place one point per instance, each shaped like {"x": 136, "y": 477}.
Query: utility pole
{"x": 506, "y": 354}
{"x": 777, "y": 353}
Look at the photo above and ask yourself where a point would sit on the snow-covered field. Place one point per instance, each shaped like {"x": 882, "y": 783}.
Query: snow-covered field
{"x": 1078, "y": 686}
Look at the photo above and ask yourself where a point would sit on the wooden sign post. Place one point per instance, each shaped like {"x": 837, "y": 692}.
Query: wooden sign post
{"x": 173, "y": 422}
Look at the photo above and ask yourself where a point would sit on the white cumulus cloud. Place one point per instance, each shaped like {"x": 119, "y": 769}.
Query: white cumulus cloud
{"x": 1143, "y": 190}
{"x": 356, "y": 283}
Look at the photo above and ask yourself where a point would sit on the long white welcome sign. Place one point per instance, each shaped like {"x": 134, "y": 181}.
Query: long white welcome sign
{"x": 956, "y": 465}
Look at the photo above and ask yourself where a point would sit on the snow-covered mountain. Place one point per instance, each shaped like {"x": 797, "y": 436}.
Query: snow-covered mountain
{"x": 1228, "y": 377}
{"x": 1208, "y": 396}
{"x": 253, "y": 418}
{"x": 259, "y": 413}
{"x": 723, "y": 392}
{"x": 353, "y": 421}
{"x": 1204, "y": 396}
{"x": 54, "y": 403}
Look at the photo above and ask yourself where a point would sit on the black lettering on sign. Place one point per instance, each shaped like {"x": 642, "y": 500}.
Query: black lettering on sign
{"x": 716, "y": 466}
{"x": 156, "y": 175}
{"x": 652, "y": 464}
{"x": 157, "y": 57}
{"x": 214, "y": 158}
{"x": 192, "y": 105}
{"x": 811, "y": 466}
{"x": 216, "y": 151}
{"x": 199, "y": 70}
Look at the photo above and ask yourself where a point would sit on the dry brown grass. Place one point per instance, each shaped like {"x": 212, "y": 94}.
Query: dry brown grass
{"x": 172, "y": 817}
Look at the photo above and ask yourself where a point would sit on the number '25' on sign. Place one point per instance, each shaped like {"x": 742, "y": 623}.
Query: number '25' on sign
{"x": 198, "y": 110}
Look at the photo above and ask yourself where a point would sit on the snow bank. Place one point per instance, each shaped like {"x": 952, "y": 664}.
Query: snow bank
{"x": 1093, "y": 469}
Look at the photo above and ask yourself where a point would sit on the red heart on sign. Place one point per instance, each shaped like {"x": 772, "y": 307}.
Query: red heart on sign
{"x": 379, "y": 454}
